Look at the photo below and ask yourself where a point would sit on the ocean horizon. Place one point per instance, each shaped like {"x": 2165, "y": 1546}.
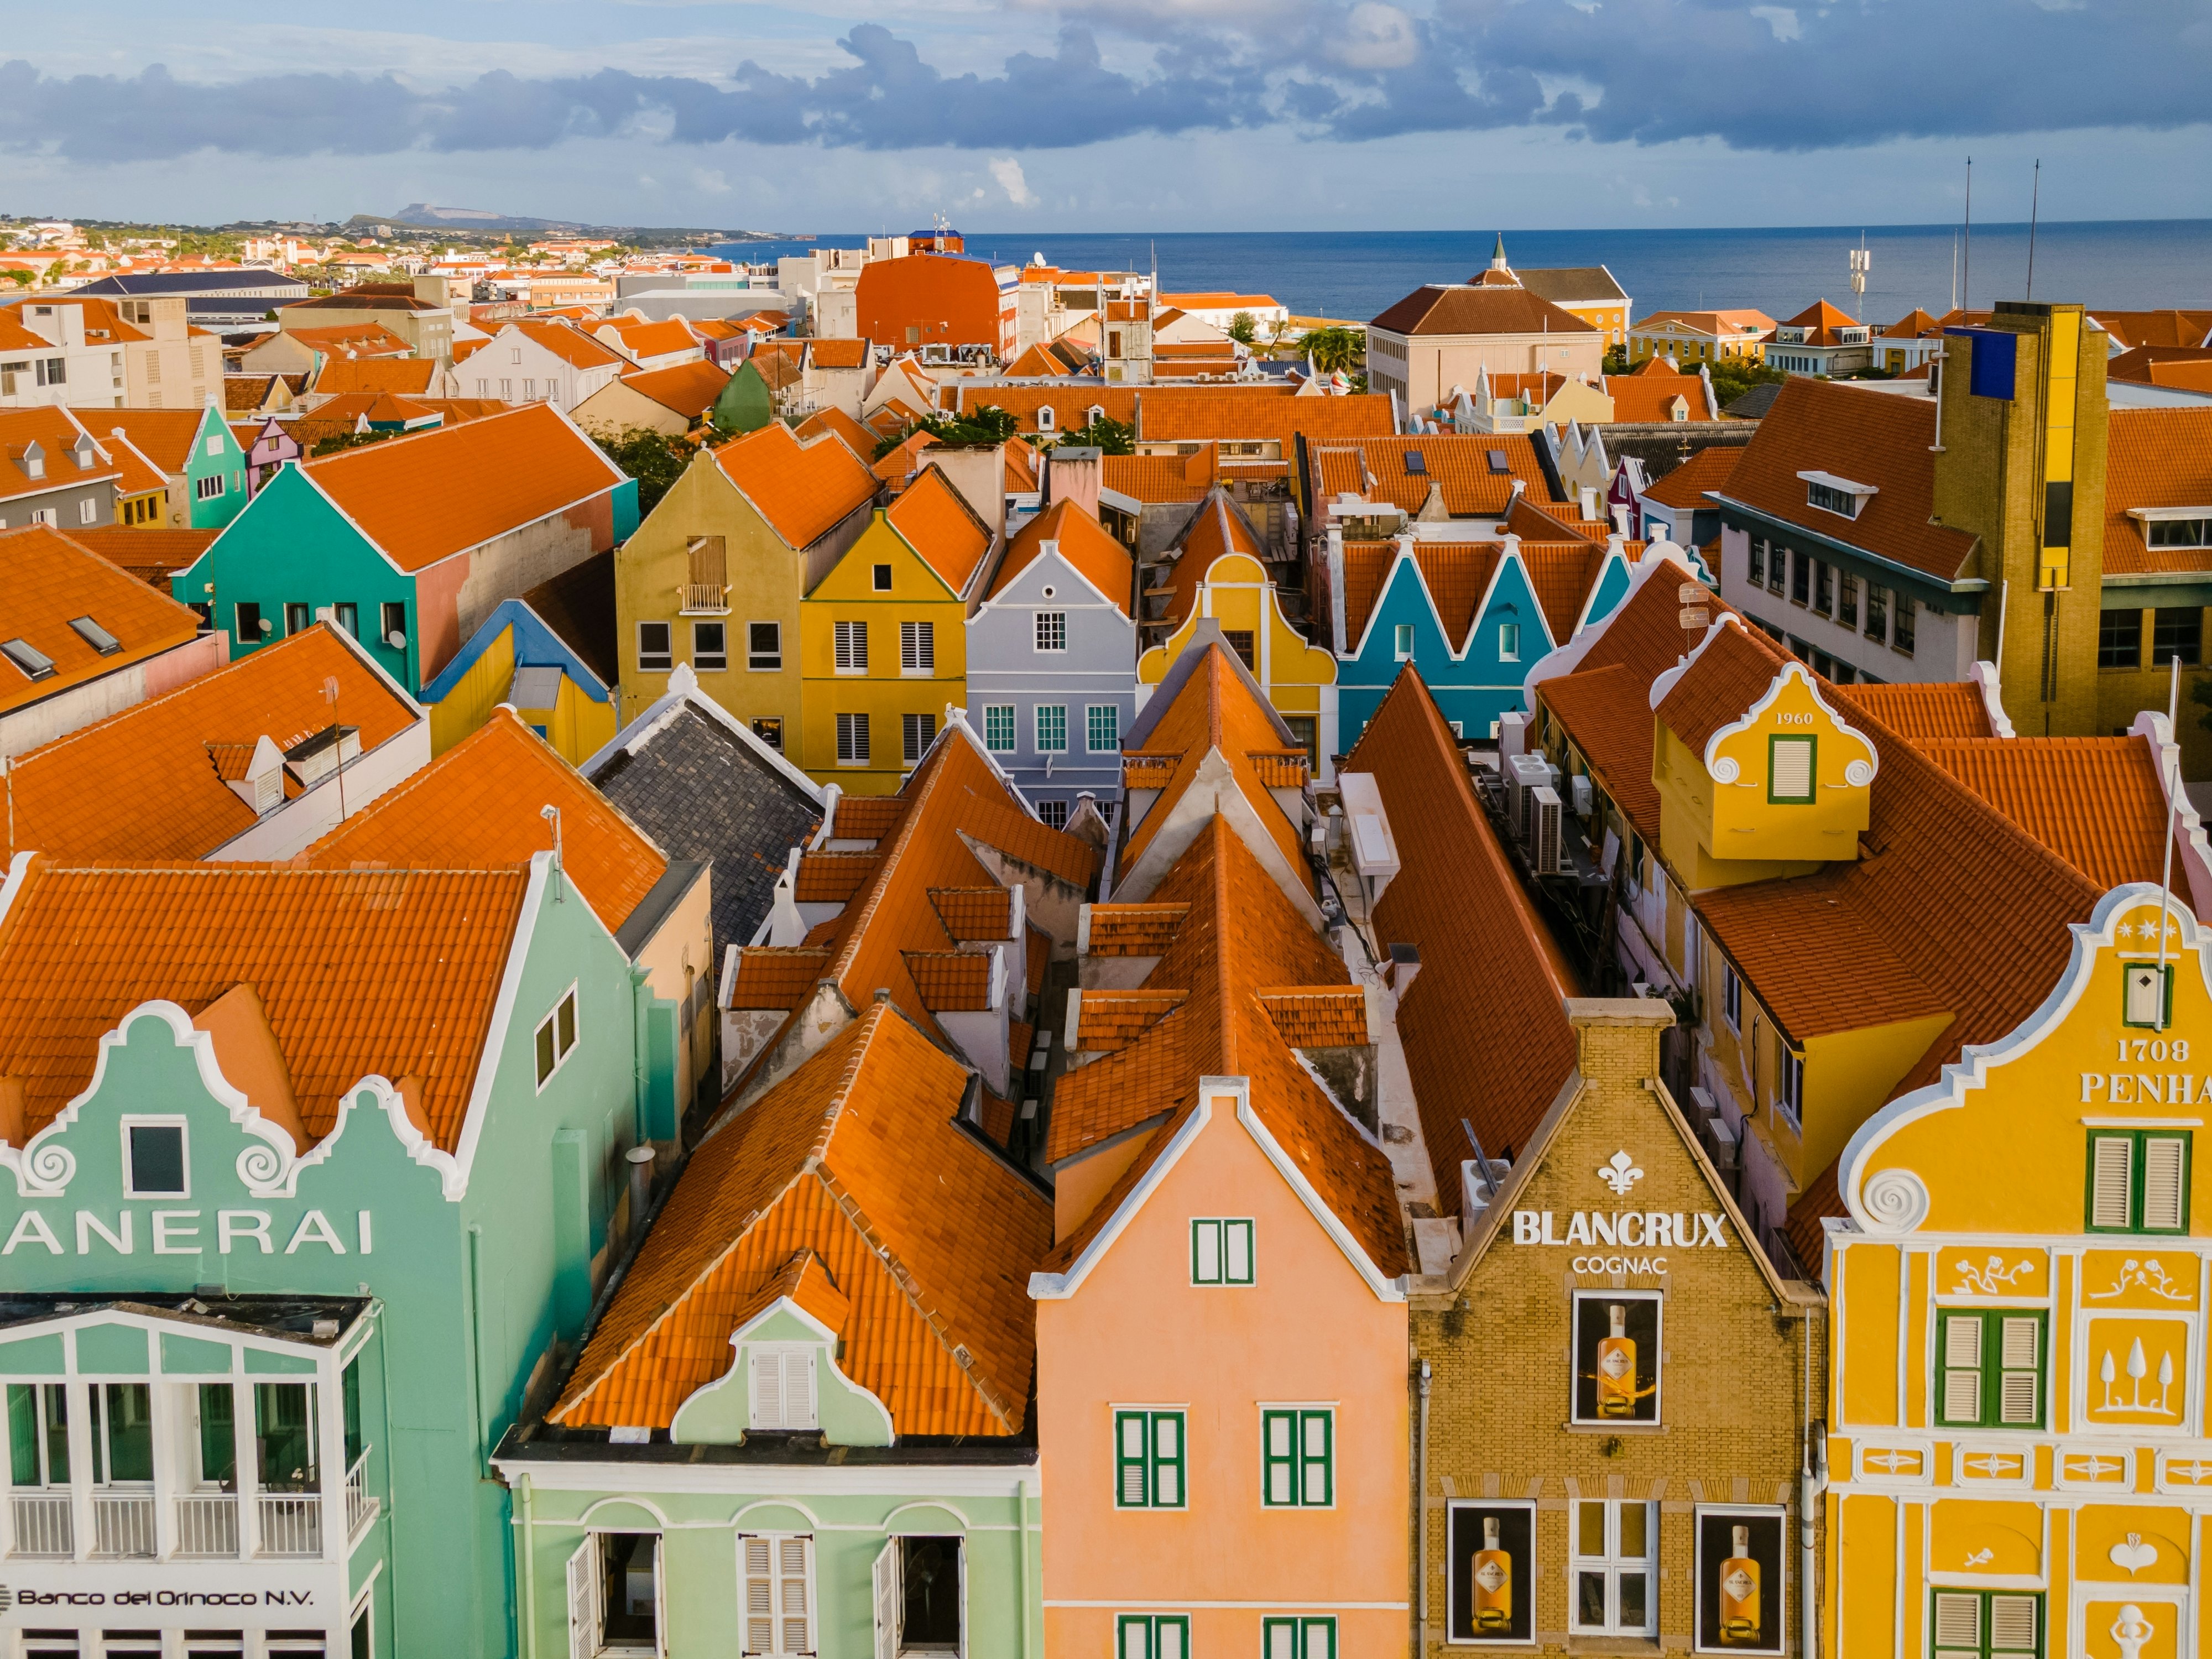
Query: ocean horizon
{"x": 2138, "y": 265}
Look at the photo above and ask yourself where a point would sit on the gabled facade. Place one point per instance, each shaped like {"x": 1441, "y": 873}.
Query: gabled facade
{"x": 53, "y": 473}
{"x": 541, "y": 360}
{"x": 513, "y": 659}
{"x": 882, "y": 638}
{"x": 1052, "y": 654}
{"x": 193, "y": 449}
{"x": 256, "y": 1114}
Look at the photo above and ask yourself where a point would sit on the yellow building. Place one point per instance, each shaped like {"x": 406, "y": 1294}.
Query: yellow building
{"x": 1220, "y": 577}
{"x": 713, "y": 575}
{"x": 514, "y": 659}
{"x": 882, "y": 638}
{"x": 2021, "y": 1440}
{"x": 1692, "y": 337}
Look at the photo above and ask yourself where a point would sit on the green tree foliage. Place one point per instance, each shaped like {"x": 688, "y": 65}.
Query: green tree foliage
{"x": 1243, "y": 328}
{"x": 1336, "y": 348}
{"x": 338, "y": 441}
{"x": 1104, "y": 434}
{"x": 988, "y": 423}
{"x": 1734, "y": 376}
{"x": 655, "y": 459}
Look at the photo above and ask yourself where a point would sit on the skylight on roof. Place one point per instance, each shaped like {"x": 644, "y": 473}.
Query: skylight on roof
{"x": 35, "y": 664}
{"x": 1497, "y": 462}
{"x": 1417, "y": 465}
{"x": 95, "y": 636}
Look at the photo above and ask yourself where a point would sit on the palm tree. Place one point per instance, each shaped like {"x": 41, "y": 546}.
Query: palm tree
{"x": 1336, "y": 348}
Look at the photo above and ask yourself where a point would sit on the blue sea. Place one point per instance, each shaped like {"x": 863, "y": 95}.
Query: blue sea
{"x": 2121, "y": 264}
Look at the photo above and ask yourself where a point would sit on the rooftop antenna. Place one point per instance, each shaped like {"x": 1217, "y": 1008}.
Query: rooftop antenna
{"x": 1967, "y": 264}
{"x": 2034, "y": 204}
{"x": 1954, "y": 270}
{"x": 552, "y": 814}
{"x": 2172, "y": 807}
{"x": 337, "y": 736}
{"x": 1861, "y": 259}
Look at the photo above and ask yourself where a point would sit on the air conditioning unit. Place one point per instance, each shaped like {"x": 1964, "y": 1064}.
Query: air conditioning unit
{"x": 1544, "y": 849}
{"x": 1583, "y": 793}
{"x": 1523, "y": 774}
{"x": 1721, "y": 1142}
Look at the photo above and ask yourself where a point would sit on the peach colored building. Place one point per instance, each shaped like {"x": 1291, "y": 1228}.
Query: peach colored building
{"x": 1221, "y": 1328}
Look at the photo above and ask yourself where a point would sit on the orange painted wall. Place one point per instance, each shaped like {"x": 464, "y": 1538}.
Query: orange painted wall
{"x": 946, "y": 302}
{"x": 1308, "y": 1332}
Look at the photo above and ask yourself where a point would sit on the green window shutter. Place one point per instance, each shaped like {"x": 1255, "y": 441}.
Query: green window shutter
{"x": 1132, "y": 1489}
{"x": 1237, "y": 1252}
{"x": 1279, "y": 1451}
{"x": 1171, "y": 1636}
{"x": 1206, "y": 1252}
{"x": 1167, "y": 1459}
{"x": 1986, "y": 1625}
{"x": 1132, "y": 1637}
{"x": 1317, "y": 1459}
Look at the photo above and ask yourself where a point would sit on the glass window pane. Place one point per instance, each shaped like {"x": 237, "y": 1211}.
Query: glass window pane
{"x": 1589, "y": 1529}
{"x": 1634, "y": 1525}
{"x": 218, "y": 1436}
{"x": 130, "y": 1432}
{"x": 1589, "y": 1598}
{"x": 23, "y": 1434}
{"x": 284, "y": 1432}
{"x": 1635, "y": 1602}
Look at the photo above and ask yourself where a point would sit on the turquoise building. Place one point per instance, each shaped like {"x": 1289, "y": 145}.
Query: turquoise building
{"x": 306, "y": 1178}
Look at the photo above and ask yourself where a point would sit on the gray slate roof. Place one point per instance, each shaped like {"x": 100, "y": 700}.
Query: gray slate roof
{"x": 1562, "y": 283}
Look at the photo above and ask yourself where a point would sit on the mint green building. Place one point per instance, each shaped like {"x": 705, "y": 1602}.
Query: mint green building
{"x": 306, "y": 1178}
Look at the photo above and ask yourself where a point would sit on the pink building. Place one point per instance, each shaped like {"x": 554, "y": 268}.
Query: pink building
{"x": 1222, "y": 1334}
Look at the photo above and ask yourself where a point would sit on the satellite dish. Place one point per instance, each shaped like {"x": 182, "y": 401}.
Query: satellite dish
{"x": 396, "y": 639}
{"x": 268, "y": 626}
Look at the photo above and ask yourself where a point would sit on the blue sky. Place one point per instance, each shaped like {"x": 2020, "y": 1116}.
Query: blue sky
{"x": 1142, "y": 114}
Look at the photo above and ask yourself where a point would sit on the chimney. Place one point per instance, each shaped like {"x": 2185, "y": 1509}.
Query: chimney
{"x": 786, "y": 926}
{"x": 1589, "y": 501}
{"x": 1405, "y": 963}
{"x": 1072, "y": 474}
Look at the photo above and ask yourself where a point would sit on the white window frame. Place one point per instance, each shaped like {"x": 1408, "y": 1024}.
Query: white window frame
{"x": 1212, "y": 1250}
{"x": 1048, "y": 633}
{"x": 918, "y": 649}
{"x": 1613, "y": 1564}
{"x": 1037, "y": 727}
{"x": 155, "y": 1121}
{"x": 567, "y": 1000}
{"x": 788, "y": 1358}
{"x": 1151, "y": 1636}
{"x": 1401, "y": 641}
{"x": 1658, "y": 1302}
{"x": 1091, "y": 713}
{"x": 1301, "y": 1628}
{"x": 911, "y": 754}
{"x": 1789, "y": 1084}
{"x": 1731, "y": 996}
{"x": 778, "y": 1612}
{"x": 201, "y": 487}
{"x": 1121, "y": 1417}
{"x": 700, "y": 654}
{"x": 753, "y": 663}
{"x": 1780, "y": 1591}
{"x": 849, "y": 752}
{"x": 850, "y": 647}
{"x": 585, "y": 1633}
{"x": 654, "y": 662}
{"x": 1509, "y": 641}
{"x": 1012, "y": 714}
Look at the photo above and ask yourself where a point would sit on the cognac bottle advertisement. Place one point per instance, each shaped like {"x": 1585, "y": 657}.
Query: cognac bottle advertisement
{"x": 1616, "y": 1358}
{"x": 1739, "y": 1581}
{"x": 1492, "y": 1572}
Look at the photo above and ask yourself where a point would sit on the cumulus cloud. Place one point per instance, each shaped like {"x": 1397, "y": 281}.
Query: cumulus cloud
{"x": 1798, "y": 78}
{"x": 1008, "y": 172}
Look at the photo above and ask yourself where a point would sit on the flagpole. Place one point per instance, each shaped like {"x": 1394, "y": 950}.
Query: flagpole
{"x": 2173, "y": 809}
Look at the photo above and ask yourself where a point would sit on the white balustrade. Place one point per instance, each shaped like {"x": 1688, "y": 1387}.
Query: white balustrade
{"x": 207, "y": 1524}
{"x": 43, "y": 1525}
{"x": 291, "y": 1523}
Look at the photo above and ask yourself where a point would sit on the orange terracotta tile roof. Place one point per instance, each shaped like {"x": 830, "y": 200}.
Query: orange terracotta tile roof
{"x": 1133, "y": 930}
{"x": 1108, "y": 1020}
{"x": 1607, "y": 713}
{"x": 404, "y": 375}
{"x": 135, "y": 474}
{"x": 933, "y": 518}
{"x": 690, "y": 389}
{"x": 1535, "y": 520}
{"x": 2096, "y": 802}
{"x": 57, "y": 435}
{"x": 1824, "y": 319}
{"x": 1022, "y": 468}
{"x": 1563, "y": 575}
{"x": 1456, "y": 573}
{"x": 803, "y": 490}
{"x": 1459, "y": 308}
{"x": 1082, "y": 541}
{"x": 836, "y": 421}
{"x": 1323, "y": 1017}
{"x": 1732, "y": 670}
{"x": 1869, "y": 437}
{"x": 868, "y": 817}
{"x": 1486, "y": 1034}
{"x": 1656, "y": 397}
{"x": 1709, "y": 468}
{"x": 150, "y": 552}
{"x": 393, "y": 974}
{"x": 1935, "y": 708}
{"x": 838, "y": 354}
{"x": 1242, "y": 938}
{"x": 897, "y": 465}
{"x": 1217, "y": 529}
{"x": 931, "y": 1271}
{"x": 950, "y": 981}
{"x": 2155, "y": 458}
{"x": 833, "y": 878}
{"x": 428, "y": 495}
{"x": 2168, "y": 327}
{"x": 347, "y": 342}
{"x": 1149, "y": 771}
{"x": 777, "y": 976}
{"x": 975, "y": 913}
{"x": 1155, "y": 480}
{"x": 53, "y": 579}
{"x": 159, "y": 796}
{"x": 1189, "y": 414}
{"x": 642, "y": 338}
{"x": 567, "y": 342}
{"x": 1457, "y": 464}
{"x": 1281, "y": 768}
{"x": 479, "y": 804}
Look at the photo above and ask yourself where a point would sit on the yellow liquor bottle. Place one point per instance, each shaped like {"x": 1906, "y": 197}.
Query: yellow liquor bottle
{"x": 1616, "y": 1368}
{"x": 1741, "y": 1625}
{"x": 1493, "y": 1583}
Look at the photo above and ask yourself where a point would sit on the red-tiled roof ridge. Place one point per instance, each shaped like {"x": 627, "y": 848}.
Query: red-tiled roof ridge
{"x": 803, "y": 490}
{"x": 1084, "y": 543}
{"x": 1919, "y": 710}
{"x": 933, "y": 518}
{"x": 1729, "y": 672}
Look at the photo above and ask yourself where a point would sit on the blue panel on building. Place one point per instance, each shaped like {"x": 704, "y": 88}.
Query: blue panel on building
{"x": 1995, "y": 353}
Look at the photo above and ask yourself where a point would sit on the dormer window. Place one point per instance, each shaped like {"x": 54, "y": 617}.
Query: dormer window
{"x": 1841, "y": 496}
{"x": 84, "y": 454}
{"x": 1044, "y": 417}
{"x": 34, "y": 462}
{"x": 2189, "y": 526}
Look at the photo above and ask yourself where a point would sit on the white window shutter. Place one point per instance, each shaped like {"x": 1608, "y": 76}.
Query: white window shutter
{"x": 584, "y": 1599}
{"x": 767, "y": 1389}
{"x": 1133, "y": 1459}
{"x": 1962, "y": 1340}
{"x": 1958, "y": 1620}
{"x": 1237, "y": 1252}
{"x": 2019, "y": 1343}
{"x": 887, "y": 1599}
{"x": 1206, "y": 1252}
{"x": 1793, "y": 768}
{"x": 798, "y": 1407}
{"x": 2164, "y": 1159}
{"x": 1167, "y": 1459}
{"x": 1314, "y": 1462}
{"x": 760, "y": 1595}
{"x": 1962, "y": 1396}
{"x": 2110, "y": 1176}
{"x": 793, "y": 1611}
{"x": 2016, "y": 1398}
{"x": 2012, "y": 1623}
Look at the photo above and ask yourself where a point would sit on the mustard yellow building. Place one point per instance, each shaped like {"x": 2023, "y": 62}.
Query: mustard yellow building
{"x": 2021, "y": 1440}
{"x": 882, "y": 638}
{"x": 1219, "y": 577}
{"x": 715, "y": 574}
{"x": 515, "y": 659}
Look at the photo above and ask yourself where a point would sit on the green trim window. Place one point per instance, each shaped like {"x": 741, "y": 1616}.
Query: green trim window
{"x": 1221, "y": 1252}
{"x": 1402, "y": 641}
{"x": 1989, "y": 1367}
{"x": 1298, "y": 1458}
{"x": 1052, "y": 728}
{"x": 1151, "y": 1636}
{"x": 1790, "y": 770}
{"x": 1148, "y": 1460}
{"x": 2142, "y": 1005}
{"x": 1102, "y": 732}
{"x": 1297, "y": 1638}
{"x": 2138, "y": 1181}
{"x": 1986, "y": 1625}
{"x": 998, "y": 727}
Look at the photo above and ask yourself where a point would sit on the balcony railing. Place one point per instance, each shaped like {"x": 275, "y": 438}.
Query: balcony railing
{"x": 360, "y": 1508}
{"x": 704, "y": 599}
{"x": 207, "y": 1524}
{"x": 43, "y": 1525}
{"x": 122, "y": 1526}
{"x": 291, "y": 1524}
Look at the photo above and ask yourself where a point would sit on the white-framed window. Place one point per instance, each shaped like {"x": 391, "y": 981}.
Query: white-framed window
{"x": 1970, "y": 1624}
{"x": 1053, "y": 814}
{"x": 1221, "y": 1251}
{"x": 1731, "y": 997}
{"x": 1298, "y": 1457}
{"x": 529, "y": 391}
{"x": 1789, "y": 1084}
{"x": 1149, "y": 1455}
{"x": 1298, "y": 1637}
{"x": 998, "y": 727}
{"x": 1052, "y": 630}
{"x": 1102, "y": 727}
{"x": 656, "y": 650}
{"x": 155, "y": 1161}
{"x": 1402, "y": 642}
{"x": 1052, "y": 728}
{"x": 879, "y": 579}
{"x": 852, "y": 647}
{"x": 778, "y": 1609}
{"x": 615, "y": 1594}
{"x": 215, "y": 445}
{"x": 917, "y": 647}
{"x": 852, "y": 739}
{"x": 1739, "y": 1579}
{"x": 917, "y": 733}
{"x": 207, "y": 489}
{"x": 556, "y": 1037}
{"x": 763, "y": 645}
{"x": 88, "y": 510}
{"x": 1151, "y": 1636}
{"x": 1613, "y": 1568}
{"x": 1491, "y": 1571}
{"x": 780, "y": 1382}
{"x": 1044, "y": 417}
{"x": 710, "y": 647}
{"x": 1509, "y": 641}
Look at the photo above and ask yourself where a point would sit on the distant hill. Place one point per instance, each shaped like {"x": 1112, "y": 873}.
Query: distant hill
{"x": 424, "y": 215}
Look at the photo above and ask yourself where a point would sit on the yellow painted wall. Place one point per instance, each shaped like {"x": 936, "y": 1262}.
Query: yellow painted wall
{"x": 1237, "y": 594}
{"x": 470, "y": 703}
{"x": 1747, "y": 823}
{"x": 884, "y": 693}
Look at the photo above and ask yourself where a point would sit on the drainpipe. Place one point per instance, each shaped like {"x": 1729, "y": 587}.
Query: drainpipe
{"x": 529, "y": 1572}
{"x": 1421, "y": 1511}
{"x": 1022, "y": 1503}
{"x": 1812, "y": 1484}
